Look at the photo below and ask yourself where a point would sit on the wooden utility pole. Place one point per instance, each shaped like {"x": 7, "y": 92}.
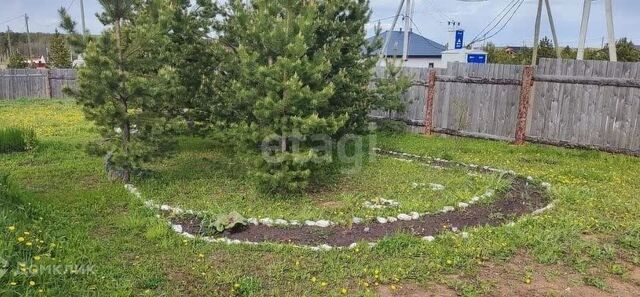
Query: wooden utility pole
{"x": 26, "y": 21}
{"x": 536, "y": 35}
{"x": 9, "y": 40}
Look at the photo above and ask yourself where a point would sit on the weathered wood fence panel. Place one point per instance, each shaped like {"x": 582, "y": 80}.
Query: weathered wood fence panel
{"x": 572, "y": 103}
{"x": 414, "y": 99}
{"x": 478, "y": 99}
{"x": 590, "y": 103}
{"x": 60, "y": 79}
{"x": 35, "y": 83}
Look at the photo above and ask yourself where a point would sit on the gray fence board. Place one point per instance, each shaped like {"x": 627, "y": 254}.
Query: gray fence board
{"x": 35, "y": 83}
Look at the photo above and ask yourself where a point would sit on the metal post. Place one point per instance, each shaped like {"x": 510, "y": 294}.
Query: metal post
{"x": 536, "y": 35}
{"x": 586, "y": 11}
{"x": 26, "y": 20}
{"x": 393, "y": 26}
{"x": 407, "y": 30}
{"x": 613, "y": 54}
{"x": 553, "y": 29}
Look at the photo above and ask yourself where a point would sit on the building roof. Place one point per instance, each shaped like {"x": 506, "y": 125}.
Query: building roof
{"x": 419, "y": 46}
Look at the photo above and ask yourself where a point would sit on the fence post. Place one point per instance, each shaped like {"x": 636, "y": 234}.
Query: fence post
{"x": 428, "y": 106}
{"x": 523, "y": 109}
{"x": 48, "y": 84}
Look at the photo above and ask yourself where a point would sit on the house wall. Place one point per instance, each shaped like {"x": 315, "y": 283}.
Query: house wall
{"x": 417, "y": 62}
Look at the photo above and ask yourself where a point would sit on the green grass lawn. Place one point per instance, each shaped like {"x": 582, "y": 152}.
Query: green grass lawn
{"x": 186, "y": 181}
{"x": 72, "y": 215}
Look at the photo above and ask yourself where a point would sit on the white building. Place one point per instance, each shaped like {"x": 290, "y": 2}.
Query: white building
{"x": 456, "y": 50}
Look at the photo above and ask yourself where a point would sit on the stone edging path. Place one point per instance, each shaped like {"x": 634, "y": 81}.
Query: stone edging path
{"x": 525, "y": 196}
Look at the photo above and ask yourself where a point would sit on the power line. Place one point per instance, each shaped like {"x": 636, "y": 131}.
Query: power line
{"x": 499, "y": 18}
{"x": 11, "y": 19}
{"x": 503, "y": 26}
{"x": 431, "y": 42}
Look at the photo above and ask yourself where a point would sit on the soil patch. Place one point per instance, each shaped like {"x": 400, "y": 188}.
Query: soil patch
{"x": 520, "y": 199}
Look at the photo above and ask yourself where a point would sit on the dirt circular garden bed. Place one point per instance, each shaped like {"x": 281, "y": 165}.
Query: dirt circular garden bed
{"x": 522, "y": 197}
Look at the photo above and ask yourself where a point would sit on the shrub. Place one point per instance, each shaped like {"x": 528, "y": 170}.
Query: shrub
{"x": 17, "y": 140}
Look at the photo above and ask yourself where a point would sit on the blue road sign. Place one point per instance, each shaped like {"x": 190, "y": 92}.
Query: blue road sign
{"x": 477, "y": 58}
{"x": 459, "y": 39}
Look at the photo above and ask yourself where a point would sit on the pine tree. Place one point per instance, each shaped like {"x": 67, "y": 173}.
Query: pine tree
{"x": 16, "y": 61}
{"x": 121, "y": 89}
{"x": 59, "y": 56}
{"x": 299, "y": 71}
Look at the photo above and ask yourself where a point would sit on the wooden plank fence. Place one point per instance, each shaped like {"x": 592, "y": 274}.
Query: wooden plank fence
{"x": 35, "y": 83}
{"x": 594, "y": 104}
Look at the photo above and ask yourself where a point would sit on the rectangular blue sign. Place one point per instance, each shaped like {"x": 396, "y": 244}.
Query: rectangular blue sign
{"x": 477, "y": 58}
{"x": 459, "y": 39}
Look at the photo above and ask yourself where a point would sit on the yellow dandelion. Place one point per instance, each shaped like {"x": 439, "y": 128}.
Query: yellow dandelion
{"x": 236, "y": 286}
{"x": 201, "y": 255}
{"x": 40, "y": 291}
{"x": 26, "y": 233}
{"x": 29, "y": 243}
{"x": 37, "y": 258}
{"x": 13, "y": 283}
{"x": 20, "y": 239}
{"x": 324, "y": 284}
{"x": 32, "y": 283}
{"x": 393, "y": 287}
{"x": 313, "y": 279}
{"x": 12, "y": 228}
{"x": 22, "y": 264}
{"x": 343, "y": 291}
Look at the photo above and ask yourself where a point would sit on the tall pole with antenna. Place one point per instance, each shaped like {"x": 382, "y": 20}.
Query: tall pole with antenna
{"x": 407, "y": 30}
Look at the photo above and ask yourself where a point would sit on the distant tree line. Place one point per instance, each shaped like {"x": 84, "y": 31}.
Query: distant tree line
{"x": 627, "y": 52}
{"x": 53, "y": 47}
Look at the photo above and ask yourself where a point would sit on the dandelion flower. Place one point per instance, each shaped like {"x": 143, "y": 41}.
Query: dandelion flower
{"x": 32, "y": 283}
{"x": 324, "y": 284}
{"x": 236, "y": 286}
{"x": 313, "y": 279}
{"x": 343, "y": 291}
{"x": 37, "y": 258}
{"x": 13, "y": 283}
{"x": 393, "y": 287}
{"x": 29, "y": 243}
{"x": 12, "y": 228}
{"x": 26, "y": 233}
{"x": 20, "y": 239}
{"x": 201, "y": 255}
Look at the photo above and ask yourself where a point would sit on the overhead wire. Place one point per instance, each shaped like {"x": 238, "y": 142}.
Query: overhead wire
{"x": 503, "y": 26}
{"x": 495, "y": 21}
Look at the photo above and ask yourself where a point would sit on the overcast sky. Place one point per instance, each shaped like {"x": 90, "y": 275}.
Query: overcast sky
{"x": 430, "y": 18}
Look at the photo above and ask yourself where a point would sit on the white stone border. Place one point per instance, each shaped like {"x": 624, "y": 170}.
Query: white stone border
{"x": 323, "y": 223}
{"x": 326, "y": 223}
